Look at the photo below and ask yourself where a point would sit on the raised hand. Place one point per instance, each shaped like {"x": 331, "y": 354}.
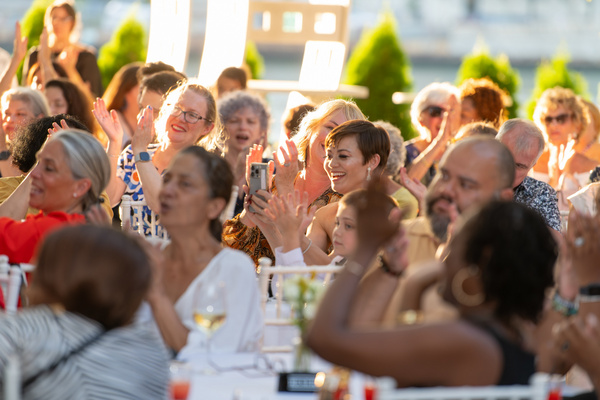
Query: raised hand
{"x": 290, "y": 213}
{"x": 108, "y": 121}
{"x": 583, "y": 236}
{"x": 414, "y": 186}
{"x": 286, "y": 164}
{"x": 144, "y": 132}
{"x": 56, "y": 127}
{"x": 375, "y": 225}
{"x": 19, "y": 45}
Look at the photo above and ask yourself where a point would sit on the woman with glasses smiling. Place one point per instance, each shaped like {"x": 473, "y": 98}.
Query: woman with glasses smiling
{"x": 188, "y": 114}
{"x": 562, "y": 117}
{"x": 434, "y": 104}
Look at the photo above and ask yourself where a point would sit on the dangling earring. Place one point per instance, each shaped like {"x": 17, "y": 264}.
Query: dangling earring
{"x": 458, "y": 290}
{"x": 368, "y": 174}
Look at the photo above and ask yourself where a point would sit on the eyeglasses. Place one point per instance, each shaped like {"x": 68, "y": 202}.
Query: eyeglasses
{"x": 189, "y": 116}
{"x": 560, "y": 119}
{"x": 434, "y": 111}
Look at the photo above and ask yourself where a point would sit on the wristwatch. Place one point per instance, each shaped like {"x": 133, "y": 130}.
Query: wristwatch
{"x": 143, "y": 156}
{"x": 4, "y": 155}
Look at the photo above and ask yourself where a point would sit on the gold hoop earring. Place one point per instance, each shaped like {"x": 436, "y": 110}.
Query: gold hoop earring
{"x": 458, "y": 290}
{"x": 368, "y": 174}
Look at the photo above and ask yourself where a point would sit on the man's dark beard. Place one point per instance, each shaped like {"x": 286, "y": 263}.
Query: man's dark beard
{"x": 438, "y": 222}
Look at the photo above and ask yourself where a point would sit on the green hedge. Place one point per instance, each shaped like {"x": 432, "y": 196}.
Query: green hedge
{"x": 254, "y": 61}
{"x": 128, "y": 44}
{"x": 554, "y": 73}
{"x": 379, "y": 63}
{"x": 32, "y": 25}
{"x": 480, "y": 64}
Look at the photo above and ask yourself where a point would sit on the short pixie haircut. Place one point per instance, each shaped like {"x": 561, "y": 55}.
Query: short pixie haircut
{"x": 99, "y": 272}
{"x": 372, "y": 139}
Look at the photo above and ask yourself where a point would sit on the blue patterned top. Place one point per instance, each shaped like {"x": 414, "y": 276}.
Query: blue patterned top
{"x": 127, "y": 171}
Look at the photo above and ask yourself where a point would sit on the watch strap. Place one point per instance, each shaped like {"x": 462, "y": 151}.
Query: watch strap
{"x": 142, "y": 156}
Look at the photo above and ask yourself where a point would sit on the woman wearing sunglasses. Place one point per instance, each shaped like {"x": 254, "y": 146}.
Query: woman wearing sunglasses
{"x": 188, "y": 114}
{"x": 562, "y": 117}
{"x": 434, "y": 104}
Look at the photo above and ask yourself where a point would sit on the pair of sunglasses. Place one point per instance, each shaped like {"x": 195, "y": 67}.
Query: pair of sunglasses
{"x": 435, "y": 111}
{"x": 560, "y": 119}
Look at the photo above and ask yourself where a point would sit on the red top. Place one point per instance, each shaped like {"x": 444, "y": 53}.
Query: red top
{"x": 19, "y": 240}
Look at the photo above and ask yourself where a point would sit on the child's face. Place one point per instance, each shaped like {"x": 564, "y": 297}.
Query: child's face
{"x": 344, "y": 233}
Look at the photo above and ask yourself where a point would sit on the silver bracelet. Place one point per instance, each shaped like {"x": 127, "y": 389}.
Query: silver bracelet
{"x": 308, "y": 247}
{"x": 586, "y": 298}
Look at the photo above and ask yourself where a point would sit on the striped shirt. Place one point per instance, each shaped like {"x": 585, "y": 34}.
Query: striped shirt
{"x": 123, "y": 363}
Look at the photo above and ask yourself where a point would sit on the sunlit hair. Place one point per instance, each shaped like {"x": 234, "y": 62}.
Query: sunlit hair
{"x": 476, "y": 128}
{"x": 594, "y": 115}
{"x": 292, "y": 117}
{"x": 397, "y": 156}
{"x": 34, "y": 99}
{"x": 526, "y": 135}
{"x": 86, "y": 159}
{"x": 99, "y": 272}
{"x": 558, "y": 96}
{"x": 228, "y": 105}
{"x": 358, "y": 199}
{"x": 434, "y": 94}
{"x": 515, "y": 252}
{"x": 312, "y": 122}
{"x": 371, "y": 139}
{"x": 219, "y": 178}
{"x": 172, "y": 99}
{"x": 124, "y": 80}
{"x": 488, "y": 99}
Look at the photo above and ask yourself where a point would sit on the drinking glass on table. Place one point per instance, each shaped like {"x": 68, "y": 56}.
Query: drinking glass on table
{"x": 210, "y": 311}
{"x": 180, "y": 380}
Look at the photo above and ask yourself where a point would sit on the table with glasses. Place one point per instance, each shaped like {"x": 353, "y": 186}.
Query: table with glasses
{"x": 251, "y": 376}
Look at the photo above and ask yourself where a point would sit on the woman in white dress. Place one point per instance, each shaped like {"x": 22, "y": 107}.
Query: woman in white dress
{"x": 196, "y": 188}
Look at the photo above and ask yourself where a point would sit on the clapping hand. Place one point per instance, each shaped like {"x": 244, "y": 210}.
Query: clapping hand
{"x": 19, "y": 45}
{"x": 144, "y": 132}
{"x": 290, "y": 214}
{"x": 286, "y": 163}
{"x": 109, "y": 121}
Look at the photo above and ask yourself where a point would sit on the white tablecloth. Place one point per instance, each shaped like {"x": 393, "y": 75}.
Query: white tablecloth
{"x": 250, "y": 384}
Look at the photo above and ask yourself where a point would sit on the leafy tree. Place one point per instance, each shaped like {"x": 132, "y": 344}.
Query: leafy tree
{"x": 128, "y": 44}
{"x": 379, "y": 63}
{"x": 32, "y": 25}
{"x": 254, "y": 61}
{"x": 554, "y": 73}
{"x": 480, "y": 64}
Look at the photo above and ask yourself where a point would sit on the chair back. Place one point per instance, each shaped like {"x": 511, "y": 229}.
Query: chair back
{"x": 11, "y": 279}
{"x": 137, "y": 213}
{"x": 536, "y": 390}
{"x": 277, "y": 312}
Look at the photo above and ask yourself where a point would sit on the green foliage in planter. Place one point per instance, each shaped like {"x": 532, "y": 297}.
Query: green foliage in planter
{"x": 479, "y": 64}
{"x": 379, "y": 63}
{"x": 254, "y": 61}
{"x": 554, "y": 73}
{"x": 128, "y": 44}
{"x": 32, "y": 25}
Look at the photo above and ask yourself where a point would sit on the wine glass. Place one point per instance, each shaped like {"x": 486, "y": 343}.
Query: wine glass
{"x": 210, "y": 312}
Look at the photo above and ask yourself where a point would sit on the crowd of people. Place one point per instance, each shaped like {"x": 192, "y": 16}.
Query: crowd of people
{"x": 458, "y": 266}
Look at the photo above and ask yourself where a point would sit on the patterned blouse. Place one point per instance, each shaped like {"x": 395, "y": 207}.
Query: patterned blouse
{"x": 252, "y": 241}
{"x": 540, "y": 197}
{"x": 127, "y": 171}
